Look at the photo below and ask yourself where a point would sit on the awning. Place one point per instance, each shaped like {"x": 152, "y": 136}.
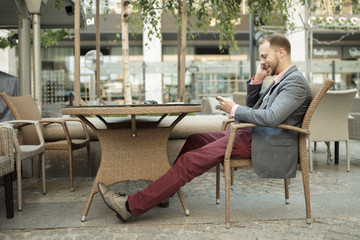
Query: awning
{"x": 50, "y": 17}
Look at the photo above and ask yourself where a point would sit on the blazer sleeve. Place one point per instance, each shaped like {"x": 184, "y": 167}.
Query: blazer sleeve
{"x": 288, "y": 96}
{"x": 253, "y": 93}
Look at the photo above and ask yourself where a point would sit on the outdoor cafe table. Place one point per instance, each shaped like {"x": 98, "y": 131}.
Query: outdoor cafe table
{"x": 133, "y": 147}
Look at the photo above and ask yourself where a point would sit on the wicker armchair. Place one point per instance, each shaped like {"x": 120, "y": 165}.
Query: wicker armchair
{"x": 317, "y": 92}
{"x": 24, "y": 108}
{"x": 7, "y": 166}
{"x": 24, "y": 152}
{"x": 330, "y": 121}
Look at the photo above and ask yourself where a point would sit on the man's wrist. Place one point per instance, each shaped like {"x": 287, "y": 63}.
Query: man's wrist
{"x": 233, "y": 110}
{"x": 256, "y": 82}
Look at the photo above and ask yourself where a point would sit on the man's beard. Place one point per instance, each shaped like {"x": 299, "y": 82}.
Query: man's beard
{"x": 273, "y": 68}
{"x": 273, "y": 71}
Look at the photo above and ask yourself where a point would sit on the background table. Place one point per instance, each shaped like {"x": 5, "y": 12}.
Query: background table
{"x": 133, "y": 147}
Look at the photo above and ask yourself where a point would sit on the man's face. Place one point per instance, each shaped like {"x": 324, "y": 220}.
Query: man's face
{"x": 269, "y": 58}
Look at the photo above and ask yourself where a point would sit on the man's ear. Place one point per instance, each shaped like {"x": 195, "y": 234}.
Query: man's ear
{"x": 282, "y": 52}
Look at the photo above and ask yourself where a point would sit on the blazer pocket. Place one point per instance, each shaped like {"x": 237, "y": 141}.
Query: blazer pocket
{"x": 282, "y": 142}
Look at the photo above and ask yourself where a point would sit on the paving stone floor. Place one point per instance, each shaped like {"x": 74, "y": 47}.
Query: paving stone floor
{"x": 258, "y": 210}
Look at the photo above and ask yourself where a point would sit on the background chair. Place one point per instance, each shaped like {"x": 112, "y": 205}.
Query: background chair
{"x": 208, "y": 105}
{"x": 354, "y": 120}
{"x": 330, "y": 121}
{"x": 240, "y": 98}
{"x": 23, "y": 152}
{"x": 24, "y": 108}
{"x": 317, "y": 93}
{"x": 7, "y": 166}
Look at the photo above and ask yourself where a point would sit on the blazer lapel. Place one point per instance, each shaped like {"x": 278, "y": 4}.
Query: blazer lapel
{"x": 271, "y": 88}
{"x": 258, "y": 103}
{"x": 292, "y": 69}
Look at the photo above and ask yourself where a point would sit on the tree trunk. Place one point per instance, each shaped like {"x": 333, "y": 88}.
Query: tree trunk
{"x": 97, "y": 49}
{"x": 125, "y": 51}
{"x": 77, "y": 53}
{"x": 182, "y": 50}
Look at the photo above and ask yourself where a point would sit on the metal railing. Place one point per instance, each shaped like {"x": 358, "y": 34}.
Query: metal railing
{"x": 202, "y": 79}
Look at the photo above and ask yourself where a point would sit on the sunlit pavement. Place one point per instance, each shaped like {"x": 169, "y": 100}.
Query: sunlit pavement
{"x": 258, "y": 209}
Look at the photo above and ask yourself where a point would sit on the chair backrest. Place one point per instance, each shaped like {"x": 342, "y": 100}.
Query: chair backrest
{"x": 240, "y": 98}
{"x": 24, "y": 108}
{"x": 355, "y": 107}
{"x": 330, "y": 119}
{"x": 317, "y": 93}
{"x": 209, "y": 104}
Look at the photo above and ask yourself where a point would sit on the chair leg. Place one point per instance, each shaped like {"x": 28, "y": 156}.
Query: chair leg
{"x": 218, "y": 184}
{"x": 39, "y": 168}
{"x": 227, "y": 193}
{"x": 347, "y": 155}
{"x": 232, "y": 176}
{"x": 9, "y": 200}
{"x": 306, "y": 184}
{"x": 71, "y": 170}
{"x": 18, "y": 183}
{"x": 310, "y": 155}
{"x": 42, "y": 159}
{"x": 286, "y": 183}
{"x": 328, "y": 152}
{"x": 88, "y": 162}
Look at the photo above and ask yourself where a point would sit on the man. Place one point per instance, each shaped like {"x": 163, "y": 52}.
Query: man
{"x": 274, "y": 151}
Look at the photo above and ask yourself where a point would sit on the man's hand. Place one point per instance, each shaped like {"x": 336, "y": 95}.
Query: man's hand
{"x": 261, "y": 73}
{"x": 226, "y": 104}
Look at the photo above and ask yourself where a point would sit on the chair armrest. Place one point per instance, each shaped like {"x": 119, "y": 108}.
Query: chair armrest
{"x": 226, "y": 123}
{"x": 18, "y": 124}
{"x": 238, "y": 126}
{"x": 87, "y": 135}
{"x": 295, "y": 129}
{"x": 63, "y": 122}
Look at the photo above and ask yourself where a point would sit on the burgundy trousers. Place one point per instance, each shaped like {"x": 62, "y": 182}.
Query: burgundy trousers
{"x": 200, "y": 153}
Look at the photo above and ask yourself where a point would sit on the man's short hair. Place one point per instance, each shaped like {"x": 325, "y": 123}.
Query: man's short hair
{"x": 278, "y": 40}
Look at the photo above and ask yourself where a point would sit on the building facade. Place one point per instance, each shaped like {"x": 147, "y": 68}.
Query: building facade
{"x": 333, "y": 52}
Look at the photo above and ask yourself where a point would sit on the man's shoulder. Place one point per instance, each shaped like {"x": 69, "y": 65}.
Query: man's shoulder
{"x": 295, "y": 79}
{"x": 295, "y": 74}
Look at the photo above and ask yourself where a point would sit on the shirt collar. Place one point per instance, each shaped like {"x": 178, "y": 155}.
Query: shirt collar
{"x": 279, "y": 76}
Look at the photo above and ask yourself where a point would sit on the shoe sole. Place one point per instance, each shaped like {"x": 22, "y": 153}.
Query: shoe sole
{"x": 120, "y": 217}
{"x": 117, "y": 214}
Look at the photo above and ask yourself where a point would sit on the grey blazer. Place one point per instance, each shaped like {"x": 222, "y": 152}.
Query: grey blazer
{"x": 274, "y": 152}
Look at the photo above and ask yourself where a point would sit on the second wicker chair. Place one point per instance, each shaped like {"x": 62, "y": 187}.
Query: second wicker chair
{"x": 317, "y": 93}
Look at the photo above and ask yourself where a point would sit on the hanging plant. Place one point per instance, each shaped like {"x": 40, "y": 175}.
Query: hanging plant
{"x": 51, "y": 37}
{"x": 5, "y": 43}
